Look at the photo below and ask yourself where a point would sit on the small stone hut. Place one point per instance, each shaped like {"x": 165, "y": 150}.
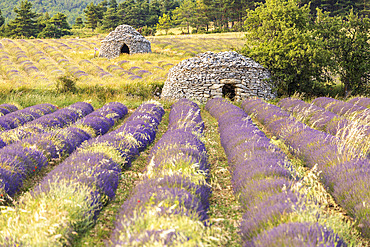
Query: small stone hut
{"x": 124, "y": 39}
{"x": 211, "y": 75}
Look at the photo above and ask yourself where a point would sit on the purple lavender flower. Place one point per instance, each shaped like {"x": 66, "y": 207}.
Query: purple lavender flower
{"x": 53, "y": 145}
{"x": 143, "y": 72}
{"x": 7, "y": 108}
{"x": 134, "y": 68}
{"x": 135, "y": 77}
{"x": 340, "y": 171}
{"x": 298, "y": 234}
{"x": 341, "y": 107}
{"x": 96, "y": 169}
{"x": 260, "y": 175}
{"x": 268, "y": 211}
{"x": 123, "y": 62}
{"x": 365, "y": 102}
{"x": 20, "y": 117}
{"x": 178, "y": 144}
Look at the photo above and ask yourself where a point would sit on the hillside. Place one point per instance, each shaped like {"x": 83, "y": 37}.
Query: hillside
{"x": 38, "y": 63}
{"x": 91, "y": 156}
{"x": 72, "y": 8}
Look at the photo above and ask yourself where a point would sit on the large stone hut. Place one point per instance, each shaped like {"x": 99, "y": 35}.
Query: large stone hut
{"x": 124, "y": 39}
{"x": 211, "y": 75}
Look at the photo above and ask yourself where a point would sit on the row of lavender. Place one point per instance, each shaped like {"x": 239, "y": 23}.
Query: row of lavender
{"x": 7, "y": 67}
{"x": 351, "y": 131}
{"x": 262, "y": 181}
{"x": 169, "y": 206}
{"x": 39, "y": 119}
{"x": 7, "y": 108}
{"x": 21, "y": 160}
{"x": 361, "y": 101}
{"x": 20, "y": 117}
{"x": 346, "y": 176}
{"x": 23, "y": 60}
{"x": 56, "y": 62}
{"x": 70, "y": 197}
{"x": 343, "y": 108}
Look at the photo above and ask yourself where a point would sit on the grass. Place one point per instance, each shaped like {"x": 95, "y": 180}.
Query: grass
{"x": 224, "y": 209}
{"x": 71, "y": 57}
{"x": 29, "y": 90}
{"x": 319, "y": 200}
{"x": 224, "y": 212}
{"x": 105, "y": 223}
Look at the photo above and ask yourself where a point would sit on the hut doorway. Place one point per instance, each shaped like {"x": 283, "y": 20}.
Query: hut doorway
{"x": 125, "y": 49}
{"x": 228, "y": 91}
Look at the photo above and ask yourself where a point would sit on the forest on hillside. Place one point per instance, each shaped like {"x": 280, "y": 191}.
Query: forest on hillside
{"x": 71, "y": 8}
{"x": 153, "y": 9}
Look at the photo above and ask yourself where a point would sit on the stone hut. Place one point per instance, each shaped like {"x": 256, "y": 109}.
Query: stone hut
{"x": 124, "y": 39}
{"x": 211, "y": 75}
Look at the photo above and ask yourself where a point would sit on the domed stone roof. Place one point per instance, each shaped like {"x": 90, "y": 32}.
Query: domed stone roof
{"x": 124, "y": 39}
{"x": 223, "y": 74}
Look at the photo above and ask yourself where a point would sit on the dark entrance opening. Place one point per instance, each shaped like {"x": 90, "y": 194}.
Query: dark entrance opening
{"x": 125, "y": 49}
{"x": 228, "y": 91}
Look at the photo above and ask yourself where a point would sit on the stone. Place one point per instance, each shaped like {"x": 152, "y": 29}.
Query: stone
{"x": 218, "y": 75}
{"x": 216, "y": 86}
{"x": 124, "y": 39}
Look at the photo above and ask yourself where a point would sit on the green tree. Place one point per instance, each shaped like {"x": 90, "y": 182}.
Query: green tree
{"x": 49, "y": 31}
{"x": 113, "y": 4}
{"x": 94, "y": 15}
{"x": 279, "y": 36}
{"x": 164, "y": 23}
{"x": 134, "y": 12}
{"x": 348, "y": 41}
{"x": 79, "y": 23}
{"x": 42, "y": 20}
{"x": 56, "y": 27}
{"x": 184, "y": 15}
{"x": 2, "y": 19}
{"x": 59, "y": 20}
{"x": 200, "y": 19}
{"x": 25, "y": 24}
{"x": 111, "y": 19}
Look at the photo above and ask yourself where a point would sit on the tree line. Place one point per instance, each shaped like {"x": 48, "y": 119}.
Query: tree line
{"x": 71, "y": 8}
{"x": 28, "y": 23}
{"x": 200, "y": 15}
{"x": 307, "y": 50}
{"x": 149, "y": 15}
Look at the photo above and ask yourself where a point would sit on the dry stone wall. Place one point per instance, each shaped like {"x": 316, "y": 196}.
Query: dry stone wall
{"x": 124, "y": 35}
{"x": 209, "y": 74}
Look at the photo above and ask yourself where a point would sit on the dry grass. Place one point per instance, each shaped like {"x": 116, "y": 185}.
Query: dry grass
{"x": 317, "y": 201}
{"x": 224, "y": 211}
{"x": 54, "y": 58}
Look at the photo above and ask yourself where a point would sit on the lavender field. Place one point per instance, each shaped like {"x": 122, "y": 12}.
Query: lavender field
{"x": 102, "y": 163}
{"x": 183, "y": 174}
{"x": 37, "y": 63}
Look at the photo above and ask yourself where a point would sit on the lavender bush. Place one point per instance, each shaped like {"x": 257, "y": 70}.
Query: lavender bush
{"x": 361, "y": 101}
{"x": 352, "y": 132}
{"x": 260, "y": 177}
{"x": 23, "y": 159}
{"x": 340, "y": 171}
{"x": 46, "y": 123}
{"x": 7, "y": 108}
{"x": 83, "y": 182}
{"x": 299, "y": 234}
{"x": 169, "y": 206}
{"x": 20, "y": 117}
{"x": 342, "y": 108}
